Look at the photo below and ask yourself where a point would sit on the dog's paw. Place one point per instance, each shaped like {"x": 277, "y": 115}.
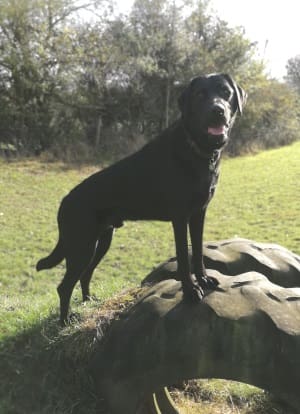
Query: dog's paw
{"x": 208, "y": 282}
{"x": 193, "y": 293}
{"x": 72, "y": 319}
{"x": 90, "y": 298}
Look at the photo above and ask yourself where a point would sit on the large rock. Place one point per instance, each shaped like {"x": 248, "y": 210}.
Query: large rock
{"x": 248, "y": 330}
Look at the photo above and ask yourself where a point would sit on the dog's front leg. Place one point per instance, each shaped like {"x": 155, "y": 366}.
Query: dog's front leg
{"x": 191, "y": 290}
{"x": 196, "y": 225}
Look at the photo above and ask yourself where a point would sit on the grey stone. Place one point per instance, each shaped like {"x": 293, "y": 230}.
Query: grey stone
{"x": 248, "y": 330}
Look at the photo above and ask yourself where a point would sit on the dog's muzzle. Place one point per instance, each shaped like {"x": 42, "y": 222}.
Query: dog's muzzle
{"x": 218, "y": 122}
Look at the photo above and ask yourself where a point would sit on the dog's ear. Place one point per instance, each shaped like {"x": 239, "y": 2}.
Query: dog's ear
{"x": 240, "y": 94}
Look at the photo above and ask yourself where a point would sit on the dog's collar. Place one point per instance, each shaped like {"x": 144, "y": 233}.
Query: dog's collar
{"x": 211, "y": 156}
{"x": 213, "y": 160}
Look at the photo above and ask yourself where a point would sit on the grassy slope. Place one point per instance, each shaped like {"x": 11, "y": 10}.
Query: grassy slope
{"x": 258, "y": 197}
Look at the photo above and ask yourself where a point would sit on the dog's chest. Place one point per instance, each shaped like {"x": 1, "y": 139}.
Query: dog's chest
{"x": 204, "y": 190}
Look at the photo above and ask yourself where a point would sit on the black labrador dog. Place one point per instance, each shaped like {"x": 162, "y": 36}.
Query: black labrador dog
{"x": 172, "y": 178}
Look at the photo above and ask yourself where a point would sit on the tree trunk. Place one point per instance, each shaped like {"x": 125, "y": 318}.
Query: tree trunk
{"x": 98, "y": 132}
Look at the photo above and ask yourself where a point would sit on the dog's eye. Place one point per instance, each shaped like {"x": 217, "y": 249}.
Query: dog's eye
{"x": 225, "y": 92}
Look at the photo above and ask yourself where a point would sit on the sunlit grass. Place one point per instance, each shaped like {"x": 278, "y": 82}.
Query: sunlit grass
{"x": 257, "y": 198}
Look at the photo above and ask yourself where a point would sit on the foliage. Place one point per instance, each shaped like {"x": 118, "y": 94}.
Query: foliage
{"x": 293, "y": 72}
{"x": 271, "y": 118}
{"x": 110, "y": 82}
{"x": 39, "y": 72}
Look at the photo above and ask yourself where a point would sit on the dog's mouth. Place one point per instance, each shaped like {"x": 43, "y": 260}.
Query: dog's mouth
{"x": 217, "y": 131}
{"x": 217, "y": 135}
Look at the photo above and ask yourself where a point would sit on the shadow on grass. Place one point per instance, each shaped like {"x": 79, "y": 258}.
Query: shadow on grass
{"x": 44, "y": 371}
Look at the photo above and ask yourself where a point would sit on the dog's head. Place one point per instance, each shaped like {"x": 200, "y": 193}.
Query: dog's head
{"x": 209, "y": 105}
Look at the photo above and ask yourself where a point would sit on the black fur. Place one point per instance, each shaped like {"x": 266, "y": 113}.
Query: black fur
{"x": 172, "y": 179}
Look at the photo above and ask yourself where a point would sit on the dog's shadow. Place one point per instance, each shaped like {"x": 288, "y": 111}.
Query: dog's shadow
{"x": 45, "y": 366}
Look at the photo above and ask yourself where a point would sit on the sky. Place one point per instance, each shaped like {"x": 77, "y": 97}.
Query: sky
{"x": 273, "y": 24}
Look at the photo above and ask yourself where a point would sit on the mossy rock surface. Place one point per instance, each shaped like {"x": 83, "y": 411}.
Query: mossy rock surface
{"x": 248, "y": 330}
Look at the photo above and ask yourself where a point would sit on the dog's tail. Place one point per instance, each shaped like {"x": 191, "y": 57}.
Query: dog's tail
{"x": 53, "y": 259}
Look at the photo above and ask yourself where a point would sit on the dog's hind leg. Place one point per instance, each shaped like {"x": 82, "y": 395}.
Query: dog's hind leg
{"x": 77, "y": 261}
{"x": 103, "y": 245}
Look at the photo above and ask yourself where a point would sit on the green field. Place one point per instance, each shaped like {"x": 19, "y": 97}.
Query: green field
{"x": 257, "y": 198}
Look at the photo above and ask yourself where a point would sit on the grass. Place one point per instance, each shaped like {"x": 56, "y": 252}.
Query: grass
{"x": 225, "y": 397}
{"x": 256, "y": 198}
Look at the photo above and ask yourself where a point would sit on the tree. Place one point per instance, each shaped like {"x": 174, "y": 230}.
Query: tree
{"x": 166, "y": 47}
{"x": 39, "y": 66}
{"x": 113, "y": 81}
{"x": 293, "y": 72}
{"x": 266, "y": 122}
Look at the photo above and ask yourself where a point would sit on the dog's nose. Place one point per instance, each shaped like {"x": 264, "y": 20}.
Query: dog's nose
{"x": 218, "y": 110}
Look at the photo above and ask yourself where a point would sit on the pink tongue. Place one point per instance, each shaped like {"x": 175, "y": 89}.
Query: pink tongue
{"x": 216, "y": 131}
